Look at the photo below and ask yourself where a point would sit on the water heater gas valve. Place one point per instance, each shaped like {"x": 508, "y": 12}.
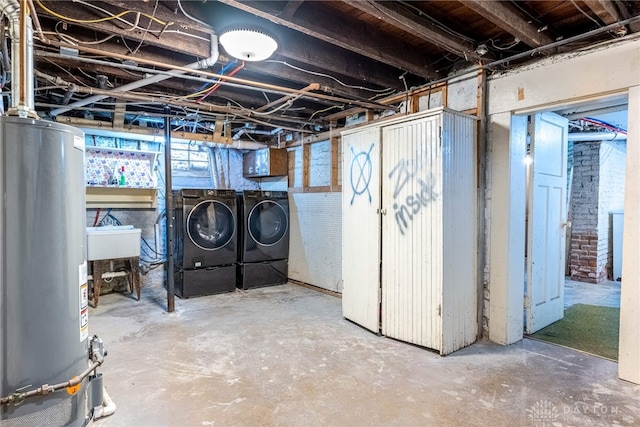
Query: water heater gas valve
{"x": 97, "y": 352}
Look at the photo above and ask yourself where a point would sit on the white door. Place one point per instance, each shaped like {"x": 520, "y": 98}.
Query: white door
{"x": 361, "y": 228}
{"x": 544, "y": 300}
{"x": 412, "y": 232}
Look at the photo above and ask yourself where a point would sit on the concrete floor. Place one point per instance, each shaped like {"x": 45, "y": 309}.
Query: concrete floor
{"x": 285, "y": 356}
{"x": 605, "y": 294}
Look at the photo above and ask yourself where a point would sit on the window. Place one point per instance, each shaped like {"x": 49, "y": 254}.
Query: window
{"x": 190, "y": 159}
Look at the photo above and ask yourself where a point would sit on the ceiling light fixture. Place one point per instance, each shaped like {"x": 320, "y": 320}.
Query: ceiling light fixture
{"x": 247, "y": 44}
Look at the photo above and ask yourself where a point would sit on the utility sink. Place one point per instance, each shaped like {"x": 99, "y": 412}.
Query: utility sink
{"x": 111, "y": 242}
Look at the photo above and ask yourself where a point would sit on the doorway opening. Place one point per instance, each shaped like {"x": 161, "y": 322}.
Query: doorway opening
{"x": 574, "y": 235}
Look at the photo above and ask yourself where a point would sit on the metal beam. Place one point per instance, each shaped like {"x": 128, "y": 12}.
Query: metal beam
{"x": 510, "y": 20}
{"x": 416, "y": 25}
{"x": 337, "y": 29}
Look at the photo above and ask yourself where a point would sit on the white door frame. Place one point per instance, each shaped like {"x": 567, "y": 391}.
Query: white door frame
{"x": 546, "y": 86}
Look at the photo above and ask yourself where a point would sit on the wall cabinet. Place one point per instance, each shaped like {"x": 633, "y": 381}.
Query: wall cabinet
{"x": 409, "y": 229}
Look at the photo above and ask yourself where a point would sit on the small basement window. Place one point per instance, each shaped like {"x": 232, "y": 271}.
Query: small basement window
{"x": 190, "y": 164}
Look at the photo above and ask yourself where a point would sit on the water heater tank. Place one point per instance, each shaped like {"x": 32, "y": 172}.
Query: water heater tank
{"x": 43, "y": 276}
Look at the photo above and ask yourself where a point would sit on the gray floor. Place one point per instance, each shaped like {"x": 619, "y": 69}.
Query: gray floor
{"x": 285, "y": 356}
{"x": 605, "y": 294}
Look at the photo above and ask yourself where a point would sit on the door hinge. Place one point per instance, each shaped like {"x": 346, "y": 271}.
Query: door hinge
{"x": 527, "y": 301}
{"x": 439, "y": 310}
{"x": 379, "y": 294}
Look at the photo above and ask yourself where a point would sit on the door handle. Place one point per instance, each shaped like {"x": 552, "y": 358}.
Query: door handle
{"x": 381, "y": 211}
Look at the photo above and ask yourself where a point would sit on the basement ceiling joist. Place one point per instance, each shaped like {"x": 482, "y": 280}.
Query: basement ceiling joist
{"x": 355, "y": 50}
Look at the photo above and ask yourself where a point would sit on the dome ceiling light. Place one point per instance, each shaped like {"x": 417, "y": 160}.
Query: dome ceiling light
{"x": 247, "y": 44}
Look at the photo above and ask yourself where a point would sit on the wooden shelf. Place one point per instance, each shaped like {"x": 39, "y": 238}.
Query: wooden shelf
{"x": 121, "y": 197}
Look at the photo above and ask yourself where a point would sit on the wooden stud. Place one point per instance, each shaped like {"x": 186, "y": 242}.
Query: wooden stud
{"x": 306, "y": 154}
{"x": 335, "y": 153}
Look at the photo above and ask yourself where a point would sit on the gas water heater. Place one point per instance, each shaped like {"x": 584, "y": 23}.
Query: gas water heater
{"x": 47, "y": 359}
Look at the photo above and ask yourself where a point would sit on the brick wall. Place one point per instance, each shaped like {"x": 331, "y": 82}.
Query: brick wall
{"x": 597, "y": 189}
{"x": 583, "y": 255}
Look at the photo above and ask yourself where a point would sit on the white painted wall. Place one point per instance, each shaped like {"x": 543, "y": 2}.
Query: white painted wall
{"x": 315, "y": 250}
{"x": 315, "y": 245}
{"x": 555, "y": 81}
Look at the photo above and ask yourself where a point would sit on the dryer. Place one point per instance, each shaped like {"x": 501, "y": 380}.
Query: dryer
{"x": 206, "y": 242}
{"x": 263, "y": 254}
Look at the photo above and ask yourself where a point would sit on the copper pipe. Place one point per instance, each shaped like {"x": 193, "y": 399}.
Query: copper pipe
{"x": 23, "y": 52}
{"x": 249, "y": 83}
{"x": 36, "y": 21}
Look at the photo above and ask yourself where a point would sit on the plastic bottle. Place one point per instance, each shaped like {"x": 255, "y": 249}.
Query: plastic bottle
{"x": 123, "y": 178}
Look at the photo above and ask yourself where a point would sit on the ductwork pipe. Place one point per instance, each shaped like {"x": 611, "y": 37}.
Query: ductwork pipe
{"x": 205, "y": 63}
{"x": 597, "y": 136}
{"x": 11, "y": 9}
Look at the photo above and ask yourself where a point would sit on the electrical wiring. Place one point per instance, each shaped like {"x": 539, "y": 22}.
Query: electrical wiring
{"x": 110, "y": 17}
{"x": 585, "y": 13}
{"x": 325, "y": 75}
{"x": 217, "y": 85}
{"x": 275, "y": 110}
{"x": 604, "y": 124}
{"x": 526, "y": 12}
{"x": 76, "y": 40}
{"x": 149, "y": 246}
{"x": 146, "y": 31}
{"x": 436, "y": 22}
{"x": 191, "y": 17}
{"x": 205, "y": 88}
{"x": 512, "y": 45}
{"x": 325, "y": 110}
{"x": 67, "y": 71}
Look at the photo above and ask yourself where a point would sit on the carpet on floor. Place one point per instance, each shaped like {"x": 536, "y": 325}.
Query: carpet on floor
{"x": 589, "y": 328}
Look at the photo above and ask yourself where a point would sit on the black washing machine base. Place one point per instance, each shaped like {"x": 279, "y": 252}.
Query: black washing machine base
{"x": 205, "y": 281}
{"x": 261, "y": 274}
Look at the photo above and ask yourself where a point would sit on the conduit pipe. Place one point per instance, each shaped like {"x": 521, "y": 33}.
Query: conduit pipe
{"x": 198, "y": 65}
{"x": 597, "y": 136}
{"x": 22, "y": 67}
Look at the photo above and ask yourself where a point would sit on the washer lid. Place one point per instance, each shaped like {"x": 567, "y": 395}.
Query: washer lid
{"x": 268, "y": 223}
{"x": 211, "y": 225}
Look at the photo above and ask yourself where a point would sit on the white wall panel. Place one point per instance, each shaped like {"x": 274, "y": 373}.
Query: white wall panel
{"x": 320, "y": 164}
{"x": 315, "y": 249}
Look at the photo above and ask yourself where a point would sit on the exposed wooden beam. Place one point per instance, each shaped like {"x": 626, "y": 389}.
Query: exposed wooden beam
{"x": 188, "y": 41}
{"x": 504, "y": 16}
{"x": 416, "y": 25}
{"x": 605, "y": 10}
{"x": 624, "y": 12}
{"x": 290, "y": 9}
{"x": 337, "y": 29}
